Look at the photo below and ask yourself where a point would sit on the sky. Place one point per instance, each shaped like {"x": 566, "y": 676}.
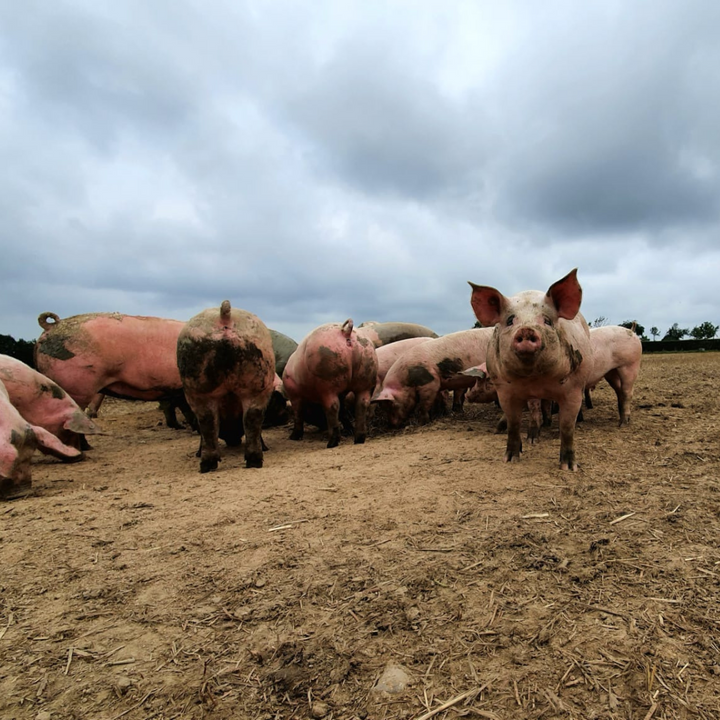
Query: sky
{"x": 314, "y": 161}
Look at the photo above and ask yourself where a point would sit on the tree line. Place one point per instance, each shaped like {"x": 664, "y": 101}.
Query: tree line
{"x": 20, "y": 349}
{"x": 24, "y": 349}
{"x": 704, "y": 331}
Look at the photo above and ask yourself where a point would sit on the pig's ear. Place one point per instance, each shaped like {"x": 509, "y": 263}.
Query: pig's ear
{"x": 475, "y": 372}
{"x": 488, "y": 304}
{"x": 79, "y": 422}
{"x": 50, "y": 445}
{"x": 566, "y": 295}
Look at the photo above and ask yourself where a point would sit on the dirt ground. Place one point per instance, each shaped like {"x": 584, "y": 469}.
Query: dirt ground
{"x": 133, "y": 587}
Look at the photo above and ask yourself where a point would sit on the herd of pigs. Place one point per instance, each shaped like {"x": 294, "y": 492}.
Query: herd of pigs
{"x": 231, "y": 376}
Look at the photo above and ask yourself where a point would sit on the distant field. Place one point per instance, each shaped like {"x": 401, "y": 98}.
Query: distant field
{"x": 134, "y": 587}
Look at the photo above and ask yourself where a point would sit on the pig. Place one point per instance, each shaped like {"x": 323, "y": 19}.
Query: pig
{"x": 391, "y": 332}
{"x": 18, "y": 441}
{"x": 126, "y": 356}
{"x": 388, "y": 354}
{"x": 331, "y": 361}
{"x": 277, "y": 412}
{"x": 416, "y": 378}
{"x": 283, "y": 348}
{"x": 540, "y": 349}
{"x": 42, "y": 402}
{"x": 483, "y": 391}
{"x": 227, "y": 366}
{"x": 616, "y": 357}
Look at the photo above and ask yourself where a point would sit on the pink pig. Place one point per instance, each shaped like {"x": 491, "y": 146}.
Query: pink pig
{"x": 128, "y": 356}
{"x": 415, "y": 380}
{"x": 330, "y": 362}
{"x": 540, "y": 349}
{"x": 18, "y": 441}
{"x": 388, "y": 354}
{"x": 616, "y": 357}
{"x": 42, "y": 402}
{"x": 483, "y": 391}
{"x": 389, "y": 333}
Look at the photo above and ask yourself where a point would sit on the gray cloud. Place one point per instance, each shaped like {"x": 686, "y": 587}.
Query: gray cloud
{"x": 619, "y": 138}
{"x": 315, "y": 163}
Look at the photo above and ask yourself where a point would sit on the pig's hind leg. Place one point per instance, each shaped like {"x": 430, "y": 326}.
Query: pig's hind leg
{"x": 332, "y": 413}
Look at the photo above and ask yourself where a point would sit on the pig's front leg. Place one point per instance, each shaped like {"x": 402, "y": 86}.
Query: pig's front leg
{"x": 513, "y": 409}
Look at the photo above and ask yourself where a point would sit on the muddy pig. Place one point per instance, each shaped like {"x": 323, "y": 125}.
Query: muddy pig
{"x": 540, "y": 349}
{"x": 18, "y": 441}
{"x": 420, "y": 374}
{"x": 226, "y": 362}
{"x": 616, "y": 357}
{"x": 388, "y": 354}
{"x": 42, "y": 402}
{"x": 331, "y": 361}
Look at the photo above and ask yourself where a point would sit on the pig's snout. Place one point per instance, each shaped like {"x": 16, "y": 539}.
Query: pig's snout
{"x": 527, "y": 341}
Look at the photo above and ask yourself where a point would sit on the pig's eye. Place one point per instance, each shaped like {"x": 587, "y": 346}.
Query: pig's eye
{"x": 510, "y": 320}
{"x": 548, "y": 321}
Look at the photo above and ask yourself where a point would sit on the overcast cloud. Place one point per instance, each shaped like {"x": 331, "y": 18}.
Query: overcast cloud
{"x": 323, "y": 160}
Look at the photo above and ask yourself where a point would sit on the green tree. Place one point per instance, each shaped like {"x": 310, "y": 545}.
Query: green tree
{"x": 676, "y": 333}
{"x": 634, "y": 326}
{"x": 705, "y": 331}
{"x": 654, "y": 332}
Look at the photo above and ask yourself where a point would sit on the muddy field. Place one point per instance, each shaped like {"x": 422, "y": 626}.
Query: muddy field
{"x": 134, "y": 587}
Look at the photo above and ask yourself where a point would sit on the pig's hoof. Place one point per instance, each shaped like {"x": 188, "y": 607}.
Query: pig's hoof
{"x": 567, "y": 461}
{"x": 74, "y": 459}
{"x": 208, "y": 465}
{"x": 296, "y": 435}
{"x": 359, "y": 439}
{"x": 14, "y": 492}
{"x": 333, "y": 442}
{"x": 254, "y": 460}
